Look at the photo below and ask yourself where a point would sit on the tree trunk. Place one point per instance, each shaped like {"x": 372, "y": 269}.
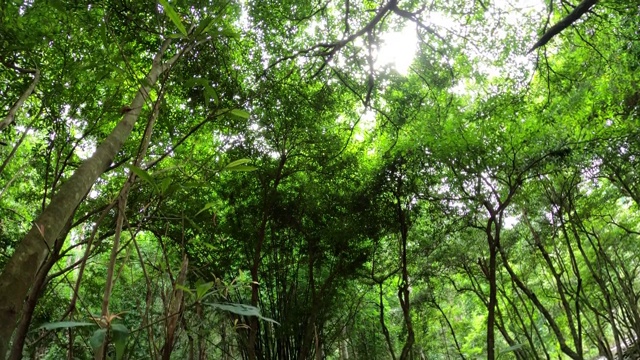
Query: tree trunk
{"x": 20, "y": 271}
{"x": 14, "y": 109}
{"x": 34, "y": 294}
{"x": 493, "y": 300}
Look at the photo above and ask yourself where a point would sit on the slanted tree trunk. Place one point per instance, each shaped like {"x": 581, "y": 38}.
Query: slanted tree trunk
{"x": 20, "y": 271}
{"x": 344, "y": 352}
{"x": 14, "y": 109}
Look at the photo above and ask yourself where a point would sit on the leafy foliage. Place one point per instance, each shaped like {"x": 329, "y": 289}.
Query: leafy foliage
{"x": 265, "y": 187}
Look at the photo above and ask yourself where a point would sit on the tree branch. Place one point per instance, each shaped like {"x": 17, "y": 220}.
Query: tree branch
{"x": 580, "y": 10}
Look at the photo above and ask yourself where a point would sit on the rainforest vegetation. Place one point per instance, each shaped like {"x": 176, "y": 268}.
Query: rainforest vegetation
{"x": 319, "y": 179}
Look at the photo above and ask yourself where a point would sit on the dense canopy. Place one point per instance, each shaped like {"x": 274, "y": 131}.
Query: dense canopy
{"x": 319, "y": 179}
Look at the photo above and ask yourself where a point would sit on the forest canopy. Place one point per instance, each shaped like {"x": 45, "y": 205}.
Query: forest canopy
{"x": 319, "y": 179}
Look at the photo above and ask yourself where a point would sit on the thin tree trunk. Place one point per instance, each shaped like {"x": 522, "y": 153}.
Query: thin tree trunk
{"x": 174, "y": 312}
{"x": 20, "y": 271}
{"x": 344, "y": 352}
{"x": 122, "y": 207}
{"x": 108, "y": 287}
{"x": 543, "y": 310}
{"x": 14, "y": 109}
{"x": 257, "y": 256}
{"x": 493, "y": 300}
{"x": 385, "y": 330}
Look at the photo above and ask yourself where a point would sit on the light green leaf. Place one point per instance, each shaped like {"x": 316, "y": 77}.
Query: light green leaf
{"x": 206, "y": 207}
{"x": 239, "y": 113}
{"x": 511, "y": 348}
{"x": 175, "y": 18}
{"x": 241, "y": 309}
{"x": 202, "y": 289}
{"x": 242, "y": 168}
{"x": 237, "y": 163}
{"x": 64, "y": 325}
{"x": 185, "y": 289}
{"x": 142, "y": 174}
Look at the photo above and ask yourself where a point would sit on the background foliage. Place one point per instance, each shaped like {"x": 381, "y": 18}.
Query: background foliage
{"x": 284, "y": 194}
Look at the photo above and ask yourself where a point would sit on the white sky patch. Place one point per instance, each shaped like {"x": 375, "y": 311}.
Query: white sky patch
{"x": 398, "y": 48}
{"x": 366, "y": 124}
{"x": 510, "y": 221}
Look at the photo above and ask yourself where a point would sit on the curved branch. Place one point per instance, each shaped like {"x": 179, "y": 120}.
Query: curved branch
{"x": 580, "y": 10}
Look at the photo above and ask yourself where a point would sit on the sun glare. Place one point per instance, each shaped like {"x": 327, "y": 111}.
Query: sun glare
{"x": 398, "y": 49}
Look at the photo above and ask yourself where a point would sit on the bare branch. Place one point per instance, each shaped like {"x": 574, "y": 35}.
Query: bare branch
{"x": 580, "y": 10}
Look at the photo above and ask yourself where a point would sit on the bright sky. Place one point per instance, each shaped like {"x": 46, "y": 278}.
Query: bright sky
{"x": 398, "y": 48}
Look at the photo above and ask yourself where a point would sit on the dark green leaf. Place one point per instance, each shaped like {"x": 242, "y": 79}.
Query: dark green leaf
{"x": 119, "y": 335}
{"x": 64, "y": 325}
{"x": 97, "y": 339}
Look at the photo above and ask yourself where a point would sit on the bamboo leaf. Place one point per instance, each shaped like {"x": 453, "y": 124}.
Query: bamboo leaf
{"x": 237, "y": 163}
{"x": 175, "y": 18}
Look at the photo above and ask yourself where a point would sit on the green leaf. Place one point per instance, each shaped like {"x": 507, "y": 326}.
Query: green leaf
{"x": 237, "y": 163}
{"x": 241, "y": 309}
{"x": 230, "y": 33}
{"x": 194, "y": 224}
{"x": 97, "y": 339}
{"x": 242, "y": 168}
{"x": 64, "y": 325}
{"x": 142, "y": 174}
{"x": 185, "y": 289}
{"x": 206, "y": 207}
{"x": 240, "y": 114}
{"x": 511, "y": 348}
{"x": 175, "y": 18}
{"x": 208, "y": 91}
{"x": 164, "y": 185}
{"x": 204, "y": 26}
{"x": 119, "y": 328}
{"x": 202, "y": 289}
{"x": 119, "y": 335}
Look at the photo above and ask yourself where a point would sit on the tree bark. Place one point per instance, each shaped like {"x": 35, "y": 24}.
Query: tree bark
{"x": 30, "y": 305}
{"x": 20, "y": 271}
{"x": 14, "y": 109}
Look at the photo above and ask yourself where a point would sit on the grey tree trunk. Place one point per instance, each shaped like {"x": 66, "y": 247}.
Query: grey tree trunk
{"x": 20, "y": 271}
